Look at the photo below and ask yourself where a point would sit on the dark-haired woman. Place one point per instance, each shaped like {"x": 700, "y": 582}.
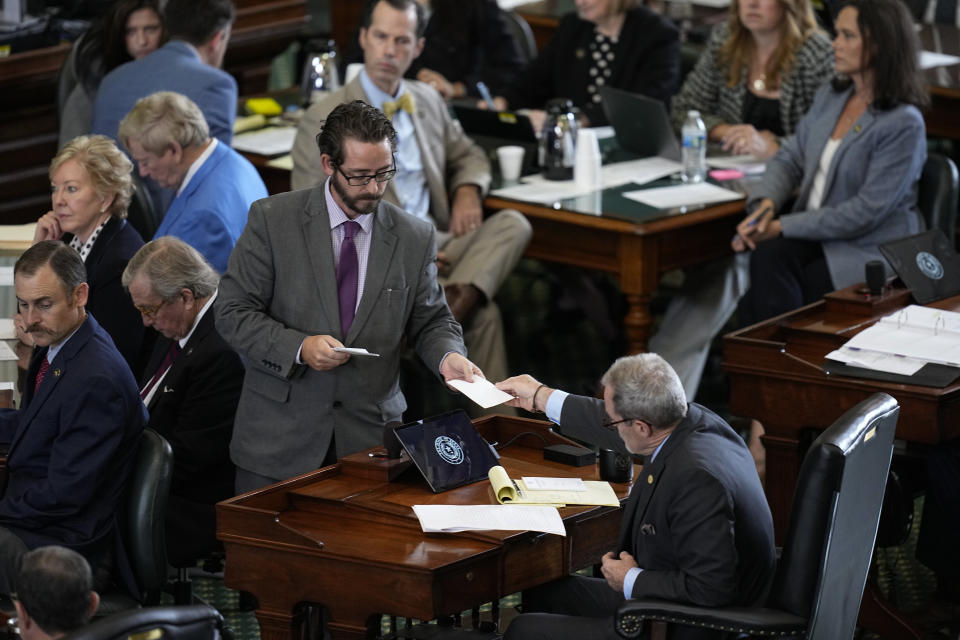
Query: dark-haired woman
{"x": 130, "y": 30}
{"x": 853, "y": 165}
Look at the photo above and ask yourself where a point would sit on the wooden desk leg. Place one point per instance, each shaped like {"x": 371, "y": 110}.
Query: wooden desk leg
{"x": 878, "y": 615}
{"x": 638, "y": 322}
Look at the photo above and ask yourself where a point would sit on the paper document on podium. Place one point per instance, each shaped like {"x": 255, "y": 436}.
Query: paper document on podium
{"x": 444, "y": 518}
{"x": 512, "y": 492}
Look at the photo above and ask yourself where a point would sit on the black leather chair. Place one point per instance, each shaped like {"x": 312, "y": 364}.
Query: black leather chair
{"x": 822, "y": 571}
{"x": 142, "y": 524}
{"x": 523, "y": 33}
{"x": 198, "y": 622}
{"x": 141, "y": 213}
{"x": 937, "y": 194}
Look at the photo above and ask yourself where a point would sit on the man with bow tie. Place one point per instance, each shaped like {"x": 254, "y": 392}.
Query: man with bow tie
{"x": 441, "y": 175}
{"x": 696, "y": 527}
{"x": 191, "y": 385}
{"x": 73, "y": 440}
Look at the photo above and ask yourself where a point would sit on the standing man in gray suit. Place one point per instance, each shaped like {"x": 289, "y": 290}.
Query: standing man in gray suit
{"x": 318, "y": 270}
{"x": 441, "y": 175}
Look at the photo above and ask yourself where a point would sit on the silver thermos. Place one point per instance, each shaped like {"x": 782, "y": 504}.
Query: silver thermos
{"x": 558, "y": 140}
{"x": 320, "y": 74}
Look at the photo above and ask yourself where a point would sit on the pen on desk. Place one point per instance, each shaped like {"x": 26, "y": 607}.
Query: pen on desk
{"x": 485, "y": 94}
{"x": 517, "y": 487}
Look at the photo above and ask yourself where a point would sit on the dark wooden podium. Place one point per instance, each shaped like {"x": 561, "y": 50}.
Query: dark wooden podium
{"x": 346, "y": 537}
{"x": 775, "y": 377}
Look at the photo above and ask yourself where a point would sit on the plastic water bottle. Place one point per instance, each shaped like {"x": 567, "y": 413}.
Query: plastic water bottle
{"x": 694, "y": 148}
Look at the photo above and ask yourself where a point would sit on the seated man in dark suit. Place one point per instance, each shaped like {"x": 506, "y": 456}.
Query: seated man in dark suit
{"x": 73, "y": 439}
{"x": 55, "y": 593}
{"x": 191, "y": 387}
{"x": 696, "y": 528}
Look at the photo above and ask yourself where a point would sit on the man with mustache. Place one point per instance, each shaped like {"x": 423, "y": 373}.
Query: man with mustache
{"x": 71, "y": 443}
{"x": 321, "y": 269}
{"x": 441, "y": 175}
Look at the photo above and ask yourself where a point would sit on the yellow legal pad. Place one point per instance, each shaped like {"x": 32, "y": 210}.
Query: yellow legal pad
{"x": 516, "y": 492}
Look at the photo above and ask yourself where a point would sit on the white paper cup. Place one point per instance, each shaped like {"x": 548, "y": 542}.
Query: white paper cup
{"x": 511, "y": 162}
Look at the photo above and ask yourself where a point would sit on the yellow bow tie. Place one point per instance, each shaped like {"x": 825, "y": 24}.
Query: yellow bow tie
{"x": 404, "y": 102}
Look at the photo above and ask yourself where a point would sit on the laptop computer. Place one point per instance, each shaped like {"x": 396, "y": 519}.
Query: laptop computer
{"x": 927, "y": 264}
{"x": 448, "y": 450}
{"x": 641, "y": 124}
{"x": 491, "y": 129}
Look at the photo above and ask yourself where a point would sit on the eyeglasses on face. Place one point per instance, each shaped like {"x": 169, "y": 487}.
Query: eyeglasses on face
{"x": 362, "y": 181}
{"x": 611, "y": 424}
{"x": 150, "y": 310}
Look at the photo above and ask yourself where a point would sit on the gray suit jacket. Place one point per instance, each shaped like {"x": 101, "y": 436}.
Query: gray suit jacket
{"x": 280, "y": 287}
{"x": 870, "y": 195}
{"x": 450, "y": 158}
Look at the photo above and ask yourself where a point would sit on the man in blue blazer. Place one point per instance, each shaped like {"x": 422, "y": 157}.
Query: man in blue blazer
{"x": 189, "y": 64}
{"x": 168, "y": 138}
{"x": 696, "y": 527}
{"x": 72, "y": 441}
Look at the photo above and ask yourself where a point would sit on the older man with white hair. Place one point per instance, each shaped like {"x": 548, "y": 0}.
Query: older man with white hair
{"x": 168, "y": 137}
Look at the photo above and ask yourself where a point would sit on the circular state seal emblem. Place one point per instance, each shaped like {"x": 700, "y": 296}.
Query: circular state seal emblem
{"x": 929, "y": 265}
{"x": 449, "y": 449}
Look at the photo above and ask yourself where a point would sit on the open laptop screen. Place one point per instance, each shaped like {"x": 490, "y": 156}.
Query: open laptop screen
{"x": 448, "y": 450}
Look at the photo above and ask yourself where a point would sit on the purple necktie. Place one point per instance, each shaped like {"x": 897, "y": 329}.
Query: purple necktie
{"x": 348, "y": 272}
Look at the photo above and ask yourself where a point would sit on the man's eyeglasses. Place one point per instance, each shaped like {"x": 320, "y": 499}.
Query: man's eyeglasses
{"x": 150, "y": 310}
{"x": 612, "y": 424}
{"x": 362, "y": 181}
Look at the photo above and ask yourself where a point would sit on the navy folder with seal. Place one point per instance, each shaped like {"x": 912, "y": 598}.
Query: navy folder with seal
{"x": 927, "y": 263}
{"x": 448, "y": 450}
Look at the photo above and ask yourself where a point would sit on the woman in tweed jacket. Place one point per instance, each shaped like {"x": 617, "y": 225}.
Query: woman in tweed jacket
{"x": 758, "y": 75}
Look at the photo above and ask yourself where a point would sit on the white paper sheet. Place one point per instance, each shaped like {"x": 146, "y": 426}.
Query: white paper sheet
{"x": 877, "y": 361}
{"x": 539, "y": 483}
{"x": 931, "y": 59}
{"x": 683, "y": 195}
{"x": 356, "y": 351}
{"x": 271, "y": 141}
{"x": 453, "y": 518}
{"x": 481, "y": 391}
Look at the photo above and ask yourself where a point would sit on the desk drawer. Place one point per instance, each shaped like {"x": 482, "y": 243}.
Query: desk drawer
{"x": 591, "y": 537}
{"x": 533, "y": 560}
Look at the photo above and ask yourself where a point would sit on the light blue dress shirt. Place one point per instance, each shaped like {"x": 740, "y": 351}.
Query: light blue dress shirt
{"x": 410, "y": 181}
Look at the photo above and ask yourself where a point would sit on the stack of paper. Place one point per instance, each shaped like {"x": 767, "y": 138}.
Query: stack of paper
{"x": 552, "y": 491}
{"x": 905, "y": 341}
{"x": 443, "y": 518}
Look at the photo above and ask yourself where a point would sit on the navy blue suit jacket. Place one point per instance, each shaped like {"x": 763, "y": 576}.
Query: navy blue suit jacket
{"x": 72, "y": 445}
{"x": 173, "y": 67}
{"x": 109, "y": 302}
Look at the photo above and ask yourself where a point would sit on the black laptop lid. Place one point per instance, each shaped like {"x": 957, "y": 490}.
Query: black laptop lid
{"x": 641, "y": 124}
{"x": 448, "y": 450}
{"x": 927, "y": 264}
{"x": 504, "y": 125}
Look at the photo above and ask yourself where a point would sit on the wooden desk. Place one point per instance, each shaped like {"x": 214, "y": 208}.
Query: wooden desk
{"x": 344, "y": 537}
{"x": 637, "y": 251}
{"x": 775, "y": 377}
